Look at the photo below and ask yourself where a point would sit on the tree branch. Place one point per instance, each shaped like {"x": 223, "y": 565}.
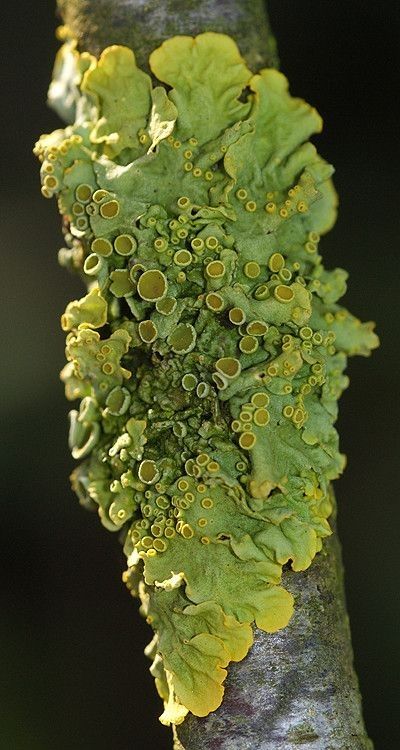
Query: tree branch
{"x": 296, "y": 687}
{"x": 144, "y": 24}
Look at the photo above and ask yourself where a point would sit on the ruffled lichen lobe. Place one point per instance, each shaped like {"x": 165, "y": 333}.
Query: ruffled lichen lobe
{"x": 208, "y": 354}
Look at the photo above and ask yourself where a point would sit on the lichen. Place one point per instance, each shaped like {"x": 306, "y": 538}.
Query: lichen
{"x": 209, "y": 352}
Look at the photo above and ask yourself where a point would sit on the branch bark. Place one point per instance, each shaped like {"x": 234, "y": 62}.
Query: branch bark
{"x": 145, "y": 24}
{"x": 296, "y": 688}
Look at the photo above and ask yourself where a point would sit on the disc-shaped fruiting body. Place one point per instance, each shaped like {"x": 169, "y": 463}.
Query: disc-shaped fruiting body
{"x": 208, "y": 353}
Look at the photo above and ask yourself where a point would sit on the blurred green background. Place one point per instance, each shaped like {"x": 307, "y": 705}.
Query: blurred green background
{"x": 73, "y": 676}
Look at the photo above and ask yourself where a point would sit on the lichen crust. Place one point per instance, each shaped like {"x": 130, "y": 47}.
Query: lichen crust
{"x": 208, "y": 354}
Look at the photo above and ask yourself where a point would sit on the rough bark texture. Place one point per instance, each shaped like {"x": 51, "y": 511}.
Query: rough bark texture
{"x": 144, "y": 24}
{"x": 296, "y": 688}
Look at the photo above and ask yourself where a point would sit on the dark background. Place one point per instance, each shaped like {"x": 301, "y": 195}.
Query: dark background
{"x": 72, "y": 669}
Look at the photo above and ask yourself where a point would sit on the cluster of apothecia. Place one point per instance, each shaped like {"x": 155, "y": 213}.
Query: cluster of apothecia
{"x": 208, "y": 353}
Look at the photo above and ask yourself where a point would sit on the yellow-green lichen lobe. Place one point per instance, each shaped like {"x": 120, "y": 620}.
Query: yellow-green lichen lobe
{"x": 208, "y": 354}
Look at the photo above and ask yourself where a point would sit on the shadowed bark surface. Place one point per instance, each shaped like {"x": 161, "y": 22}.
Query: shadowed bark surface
{"x": 144, "y": 24}
{"x": 296, "y": 688}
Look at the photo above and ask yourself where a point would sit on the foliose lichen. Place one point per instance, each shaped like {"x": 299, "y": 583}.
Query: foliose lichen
{"x": 208, "y": 355}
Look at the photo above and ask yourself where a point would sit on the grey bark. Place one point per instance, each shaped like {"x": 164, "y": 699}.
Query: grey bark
{"x": 144, "y": 24}
{"x": 296, "y": 688}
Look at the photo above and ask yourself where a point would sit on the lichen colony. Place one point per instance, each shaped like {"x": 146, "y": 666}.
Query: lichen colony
{"x": 207, "y": 356}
